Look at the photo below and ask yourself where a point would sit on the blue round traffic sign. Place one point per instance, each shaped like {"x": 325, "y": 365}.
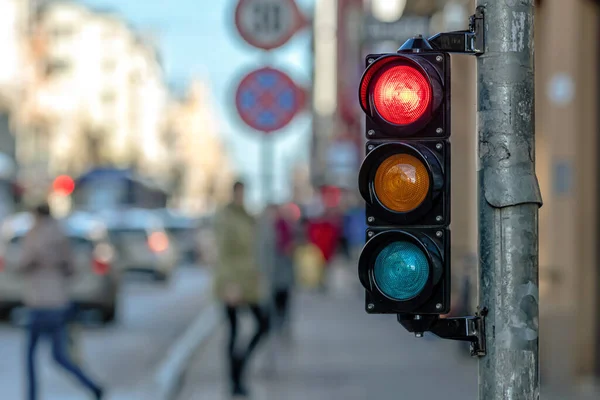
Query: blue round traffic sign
{"x": 268, "y": 99}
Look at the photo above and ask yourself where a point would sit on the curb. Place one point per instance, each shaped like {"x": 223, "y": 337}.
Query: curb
{"x": 170, "y": 371}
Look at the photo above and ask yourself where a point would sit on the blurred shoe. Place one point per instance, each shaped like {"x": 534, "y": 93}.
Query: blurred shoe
{"x": 240, "y": 392}
{"x": 100, "y": 394}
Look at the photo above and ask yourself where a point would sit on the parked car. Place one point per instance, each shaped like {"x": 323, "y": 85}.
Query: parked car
{"x": 184, "y": 234}
{"x": 141, "y": 242}
{"x": 95, "y": 285}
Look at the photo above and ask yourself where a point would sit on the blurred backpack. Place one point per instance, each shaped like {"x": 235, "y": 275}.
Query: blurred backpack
{"x": 310, "y": 265}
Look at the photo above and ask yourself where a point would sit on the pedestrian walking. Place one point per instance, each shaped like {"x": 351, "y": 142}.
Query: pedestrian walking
{"x": 46, "y": 265}
{"x": 238, "y": 281}
{"x": 323, "y": 232}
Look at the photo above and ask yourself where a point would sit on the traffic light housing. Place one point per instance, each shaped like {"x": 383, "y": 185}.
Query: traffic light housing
{"x": 405, "y": 182}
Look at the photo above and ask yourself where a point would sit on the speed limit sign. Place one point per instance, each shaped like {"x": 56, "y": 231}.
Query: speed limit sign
{"x": 268, "y": 24}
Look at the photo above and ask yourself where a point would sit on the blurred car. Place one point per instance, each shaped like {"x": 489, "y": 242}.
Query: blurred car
{"x": 94, "y": 286}
{"x": 206, "y": 241}
{"x": 183, "y": 232}
{"x": 141, "y": 242}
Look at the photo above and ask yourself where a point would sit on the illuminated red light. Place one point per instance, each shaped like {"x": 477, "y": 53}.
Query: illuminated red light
{"x": 402, "y": 94}
{"x": 63, "y": 185}
{"x": 158, "y": 242}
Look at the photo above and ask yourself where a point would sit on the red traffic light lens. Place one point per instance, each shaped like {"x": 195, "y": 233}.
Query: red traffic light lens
{"x": 402, "y": 94}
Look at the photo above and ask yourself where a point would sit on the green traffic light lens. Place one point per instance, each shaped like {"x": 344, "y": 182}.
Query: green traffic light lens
{"x": 401, "y": 271}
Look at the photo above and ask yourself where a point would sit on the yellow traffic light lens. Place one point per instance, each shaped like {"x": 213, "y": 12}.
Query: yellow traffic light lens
{"x": 402, "y": 182}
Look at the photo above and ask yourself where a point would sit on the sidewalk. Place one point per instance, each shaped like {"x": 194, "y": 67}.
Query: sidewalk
{"x": 340, "y": 352}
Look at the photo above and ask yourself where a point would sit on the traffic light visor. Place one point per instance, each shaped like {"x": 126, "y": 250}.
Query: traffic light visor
{"x": 402, "y": 94}
{"x": 401, "y": 270}
{"x": 402, "y": 182}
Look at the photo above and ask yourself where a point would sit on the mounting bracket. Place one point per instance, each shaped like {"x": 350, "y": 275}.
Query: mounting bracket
{"x": 471, "y": 41}
{"x": 469, "y": 329}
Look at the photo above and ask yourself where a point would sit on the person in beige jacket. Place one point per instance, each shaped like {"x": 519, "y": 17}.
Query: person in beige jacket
{"x": 46, "y": 265}
{"x": 238, "y": 280}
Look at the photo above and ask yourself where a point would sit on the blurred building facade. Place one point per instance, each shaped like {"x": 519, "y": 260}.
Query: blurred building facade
{"x": 567, "y": 131}
{"x": 14, "y": 29}
{"x": 203, "y": 170}
{"x": 98, "y": 90}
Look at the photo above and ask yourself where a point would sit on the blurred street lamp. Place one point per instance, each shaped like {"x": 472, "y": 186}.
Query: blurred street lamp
{"x": 388, "y": 10}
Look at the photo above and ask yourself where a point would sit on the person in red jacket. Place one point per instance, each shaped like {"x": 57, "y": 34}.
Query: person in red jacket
{"x": 324, "y": 233}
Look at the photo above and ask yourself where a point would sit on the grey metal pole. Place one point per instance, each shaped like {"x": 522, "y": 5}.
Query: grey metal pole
{"x": 267, "y": 168}
{"x": 509, "y": 198}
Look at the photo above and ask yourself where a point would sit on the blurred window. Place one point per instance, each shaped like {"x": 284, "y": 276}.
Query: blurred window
{"x": 108, "y": 97}
{"x": 57, "y": 66}
{"x": 62, "y": 31}
{"x": 110, "y": 65}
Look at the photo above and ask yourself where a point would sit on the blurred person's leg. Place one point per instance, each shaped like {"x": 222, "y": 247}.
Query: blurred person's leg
{"x": 282, "y": 307}
{"x": 262, "y": 328}
{"x": 33, "y": 337}
{"x": 232, "y": 358}
{"x": 61, "y": 356}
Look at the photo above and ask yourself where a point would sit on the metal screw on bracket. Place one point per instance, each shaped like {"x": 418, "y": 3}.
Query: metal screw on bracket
{"x": 439, "y": 58}
{"x": 439, "y": 130}
{"x": 439, "y": 233}
{"x": 371, "y": 60}
{"x": 439, "y": 146}
{"x": 419, "y": 334}
{"x": 438, "y": 306}
{"x": 371, "y": 132}
{"x": 370, "y": 307}
{"x": 439, "y": 218}
{"x": 370, "y": 147}
{"x": 370, "y": 234}
{"x": 371, "y": 219}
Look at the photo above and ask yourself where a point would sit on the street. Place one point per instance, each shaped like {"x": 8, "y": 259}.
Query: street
{"x": 123, "y": 355}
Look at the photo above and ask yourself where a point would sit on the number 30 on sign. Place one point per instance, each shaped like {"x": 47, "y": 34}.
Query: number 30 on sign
{"x": 268, "y": 24}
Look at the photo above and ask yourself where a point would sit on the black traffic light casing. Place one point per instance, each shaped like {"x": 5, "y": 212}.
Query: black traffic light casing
{"x": 426, "y": 139}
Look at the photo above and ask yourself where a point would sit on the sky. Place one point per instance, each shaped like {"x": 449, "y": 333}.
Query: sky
{"x": 198, "y": 39}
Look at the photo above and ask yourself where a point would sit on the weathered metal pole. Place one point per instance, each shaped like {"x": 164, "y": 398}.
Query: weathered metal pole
{"x": 509, "y": 198}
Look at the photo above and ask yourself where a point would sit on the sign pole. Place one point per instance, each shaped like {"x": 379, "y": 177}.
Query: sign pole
{"x": 509, "y": 198}
{"x": 268, "y": 165}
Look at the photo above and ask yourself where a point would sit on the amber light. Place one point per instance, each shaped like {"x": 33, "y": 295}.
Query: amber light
{"x": 402, "y": 94}
{"x": 401, "y": 182}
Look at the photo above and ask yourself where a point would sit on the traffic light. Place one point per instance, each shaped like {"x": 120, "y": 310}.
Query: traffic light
{"x": 63, "y": 185}
{"x": 405, "y": 181}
